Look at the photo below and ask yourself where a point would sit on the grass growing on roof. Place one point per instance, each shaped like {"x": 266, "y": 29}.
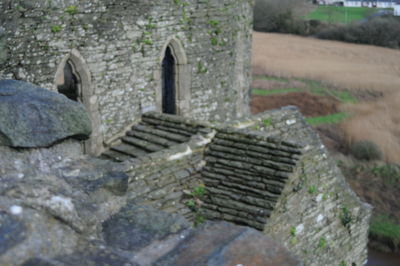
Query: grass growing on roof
{"x": 340, "y": 14}
{"x": 267, "y": 122}
{"x": 327, "y": 119}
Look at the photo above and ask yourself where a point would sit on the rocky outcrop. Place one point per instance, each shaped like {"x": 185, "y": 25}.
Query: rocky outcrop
{"x": 83, "y": 211}
{"x": 32, "y": 117}
{"x": 217, "y": 244}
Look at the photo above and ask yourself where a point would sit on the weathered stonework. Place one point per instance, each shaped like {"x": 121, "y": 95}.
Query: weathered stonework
{"x": 117, "y": 49}
{"x": 56, "y": 193}
{"x": 270, "y": 172}
{"x": 274, "y": 174}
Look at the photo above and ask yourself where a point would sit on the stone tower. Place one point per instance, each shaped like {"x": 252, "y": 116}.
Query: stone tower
{"x": 110, "y": 55}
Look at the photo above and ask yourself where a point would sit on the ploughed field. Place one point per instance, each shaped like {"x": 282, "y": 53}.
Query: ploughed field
{"x": 349, "y": 93}
{"x": 369, "y": 73}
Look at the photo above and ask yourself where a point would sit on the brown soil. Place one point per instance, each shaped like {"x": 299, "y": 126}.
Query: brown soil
{"x": 332, "y": 138}
{"x": 344, "y": 65}
{"x": 309, "y": 105}
{"x": 371, "y": 73}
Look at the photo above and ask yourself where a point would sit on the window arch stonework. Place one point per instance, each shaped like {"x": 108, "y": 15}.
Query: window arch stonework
{"x": 86, "y": 96}
{"x": 182, "y": 77}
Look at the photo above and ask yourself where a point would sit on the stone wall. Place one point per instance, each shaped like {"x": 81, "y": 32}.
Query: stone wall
{"x": 316, "y": 214}
{"x": 165, "y": 179}
{"x": 270, "y": 172}
{"x": 245, "y": 175}
{"x": 160, "y": 179}
{"x": 117, "y": 49}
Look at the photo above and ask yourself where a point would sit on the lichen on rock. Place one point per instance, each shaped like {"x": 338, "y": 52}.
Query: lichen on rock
{"x": 33, "y": 117}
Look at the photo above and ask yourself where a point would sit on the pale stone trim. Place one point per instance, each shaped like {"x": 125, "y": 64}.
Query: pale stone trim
{"x": 180, "y": 155}
{"x": 240, "y": 82}
{"x": 182, "y": 77}
{"x": 87, "y": 97}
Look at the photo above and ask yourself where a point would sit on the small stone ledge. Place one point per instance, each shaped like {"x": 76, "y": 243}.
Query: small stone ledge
{"x": 178, "y": 121}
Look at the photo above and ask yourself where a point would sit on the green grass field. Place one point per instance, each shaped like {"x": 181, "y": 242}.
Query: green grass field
{"x": 264, "y": 77}
{"x": 327, "y": 119}
{"x": 274, "y": 91}
{"x": 340, "y": 14}
{"x": 312, "y": 86}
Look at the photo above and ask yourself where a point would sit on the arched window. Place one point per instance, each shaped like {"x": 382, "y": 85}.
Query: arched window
{"x": 174, "y": 80}
{"x": 168, "y": 83}
{"x": 73, "y": 79}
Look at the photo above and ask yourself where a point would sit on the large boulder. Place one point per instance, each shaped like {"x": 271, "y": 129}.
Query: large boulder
{"x": 135, "y": 227}
{"x": 222, "y": 243}
{"x": 33, "y": 117}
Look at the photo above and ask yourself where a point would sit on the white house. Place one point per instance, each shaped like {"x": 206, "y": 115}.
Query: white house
{"x": 386, "y": 3}
{"x": 397, "y": 9}
{"x": 353, "y": 3}
{"x": 329, "y": 2}
{"x": 369, "y": 3}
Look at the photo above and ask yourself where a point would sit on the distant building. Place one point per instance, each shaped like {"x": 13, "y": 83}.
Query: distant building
{"x": 397, "y": 9}
{"x": 368, "y": 3}
{"x": 353, "y": 3}
{"x": 386, "y": 3}
{"x": 330, "y": 2}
